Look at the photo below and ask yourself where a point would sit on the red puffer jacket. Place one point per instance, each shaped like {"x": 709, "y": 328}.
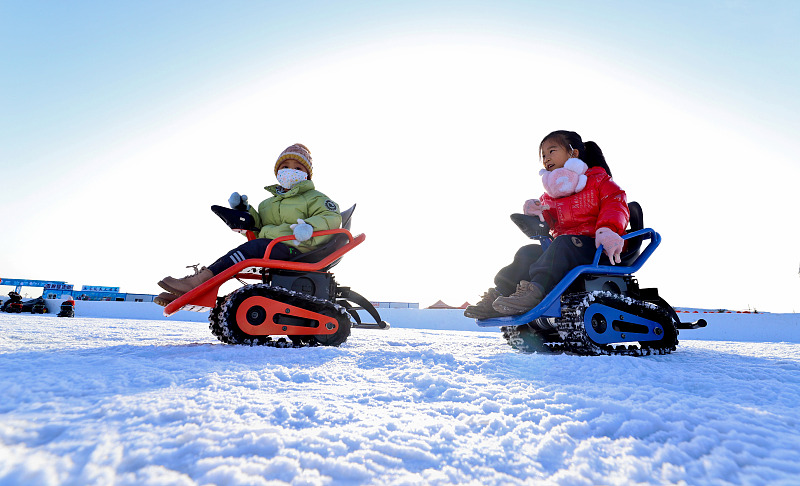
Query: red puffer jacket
{"x": 600, "y": 204}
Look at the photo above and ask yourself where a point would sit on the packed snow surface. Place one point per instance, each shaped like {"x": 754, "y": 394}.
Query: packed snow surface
{"x": 146, "y": 402}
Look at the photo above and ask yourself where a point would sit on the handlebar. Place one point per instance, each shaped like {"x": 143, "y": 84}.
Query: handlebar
{"x": 648, "y": 233}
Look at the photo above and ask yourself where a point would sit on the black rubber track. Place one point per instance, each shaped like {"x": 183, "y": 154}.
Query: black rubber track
{"x": 567, "y": 334}
{"x": 222, "y": 318}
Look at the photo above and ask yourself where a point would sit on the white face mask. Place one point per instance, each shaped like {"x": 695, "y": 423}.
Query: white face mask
{"x": 287, "y": 178}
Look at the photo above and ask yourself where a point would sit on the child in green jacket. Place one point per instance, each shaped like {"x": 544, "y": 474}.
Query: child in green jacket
{"x": 295, "y": 208}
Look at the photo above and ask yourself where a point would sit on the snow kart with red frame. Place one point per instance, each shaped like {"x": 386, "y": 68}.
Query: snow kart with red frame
{"x": 67, "y": 308}
{"x": 296, "y": 298}
{"x": 14, "y": 304}
{"x": 597, "y": 308}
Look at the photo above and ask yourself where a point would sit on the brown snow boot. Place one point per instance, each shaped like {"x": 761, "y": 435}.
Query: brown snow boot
{"x": 483, "y": 309}
{"x": 524, "y": 299}
{"x": 164, "y": 298}
{"x": 180, "y": 286}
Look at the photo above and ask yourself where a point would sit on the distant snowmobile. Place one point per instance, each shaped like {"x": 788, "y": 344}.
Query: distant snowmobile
{"x": 597, "y": 309}
{"x": 298, "y": 298}
{"x": 35, "y": 306}
{"x": 14, "y": 303}
{"x": 67, "y": 308}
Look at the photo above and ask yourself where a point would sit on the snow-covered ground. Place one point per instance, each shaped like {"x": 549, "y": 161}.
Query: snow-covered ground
{"x": 115, "y": 401}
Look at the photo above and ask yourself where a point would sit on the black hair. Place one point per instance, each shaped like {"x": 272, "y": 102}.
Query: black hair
{"x": 588, "y": 152}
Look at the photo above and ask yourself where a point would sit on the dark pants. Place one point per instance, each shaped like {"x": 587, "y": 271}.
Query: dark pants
{"x": 252, "y": 249}
{"x": 546, "y": 268}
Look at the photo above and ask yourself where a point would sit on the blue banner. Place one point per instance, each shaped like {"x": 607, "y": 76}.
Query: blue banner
{"x": 58, "y": 286}
{"x": 16, "y": 282}
{"x": 97, "y": 288}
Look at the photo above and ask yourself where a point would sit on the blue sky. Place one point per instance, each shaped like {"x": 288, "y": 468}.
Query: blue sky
{"x": 72, "y": 65}
{"x": 123, "y": 121}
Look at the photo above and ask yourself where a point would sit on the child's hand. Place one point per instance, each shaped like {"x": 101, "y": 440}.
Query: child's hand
{"x": 302, "y": 231}
{"x": 238, "y": 202}
{"x": 612, "y": 244}
{"x": 533, "y": 207}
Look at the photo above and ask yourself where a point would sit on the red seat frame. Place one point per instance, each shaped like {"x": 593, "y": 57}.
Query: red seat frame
{"x": 205, "y": 295}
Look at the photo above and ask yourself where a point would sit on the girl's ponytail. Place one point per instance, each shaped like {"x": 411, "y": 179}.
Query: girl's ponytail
{"x": 594, "y": 157}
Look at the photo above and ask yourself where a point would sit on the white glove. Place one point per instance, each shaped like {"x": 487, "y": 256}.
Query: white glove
{"x": 302, "y": 231}
{"x": 612, "y": 244}
{"x": 237, "y": 201}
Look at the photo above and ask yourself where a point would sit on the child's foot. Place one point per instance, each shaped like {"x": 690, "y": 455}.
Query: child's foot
{"x": 524, "y": 299}
{"x": 164, "y": 298}
{"x": 483, "y": 309}
{"x": 180, "y": 286}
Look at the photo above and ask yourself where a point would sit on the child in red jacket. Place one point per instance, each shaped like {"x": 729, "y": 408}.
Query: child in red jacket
{"x": 584, "y": 208}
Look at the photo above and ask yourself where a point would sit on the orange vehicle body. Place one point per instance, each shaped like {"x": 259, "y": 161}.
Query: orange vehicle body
{"x": 259, "y": 315}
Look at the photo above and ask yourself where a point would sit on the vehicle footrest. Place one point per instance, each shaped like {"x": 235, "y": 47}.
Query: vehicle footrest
{"x": 692, "y": 325}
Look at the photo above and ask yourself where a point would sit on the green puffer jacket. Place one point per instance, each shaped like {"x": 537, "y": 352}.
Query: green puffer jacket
{"x": 276, "y": 214}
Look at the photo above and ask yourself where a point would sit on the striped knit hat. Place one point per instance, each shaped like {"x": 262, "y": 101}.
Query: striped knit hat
{"x": 298, "y": 152}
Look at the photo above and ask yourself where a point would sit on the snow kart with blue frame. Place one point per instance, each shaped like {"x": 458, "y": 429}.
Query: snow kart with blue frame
{"x": 296, "y": 298}
{"x": 597, "y": 309}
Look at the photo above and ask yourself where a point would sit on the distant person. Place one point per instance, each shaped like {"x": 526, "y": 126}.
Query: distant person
{"x": 584, "y": 209}
{"x": 295, "y": 208}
